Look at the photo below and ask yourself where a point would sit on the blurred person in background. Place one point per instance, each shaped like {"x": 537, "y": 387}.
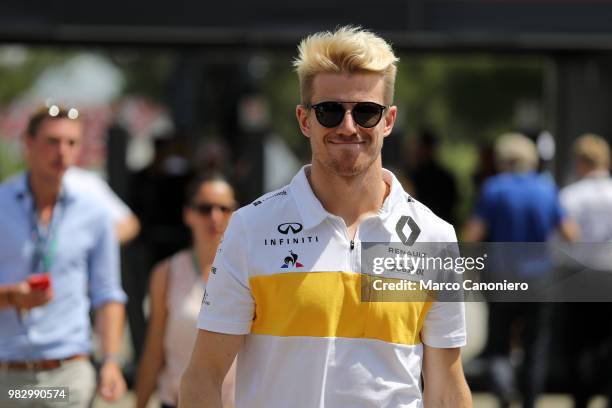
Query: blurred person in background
{"x": 58, "y": 256}
{"x": 176, "y": 291}
{"x": 589, "y": 202}
{"x": 213, "y": 155}
{"x": 125, "y": 221}
{"x": 433, "y": 185}
{"x": 156, "y": 196}
{"x": 518, "y": 205}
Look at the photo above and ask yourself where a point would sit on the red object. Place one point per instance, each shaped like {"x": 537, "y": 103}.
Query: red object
{"x": 39, "y": 281}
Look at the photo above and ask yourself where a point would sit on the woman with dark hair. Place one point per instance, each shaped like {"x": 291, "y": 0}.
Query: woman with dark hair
{"x": 176, "y": 290}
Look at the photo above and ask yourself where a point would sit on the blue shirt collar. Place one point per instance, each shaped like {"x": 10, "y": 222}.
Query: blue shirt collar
{"x": 22, "y": 189}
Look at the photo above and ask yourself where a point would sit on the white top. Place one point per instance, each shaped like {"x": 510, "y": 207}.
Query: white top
{"x": 183, "y": 300}
{"x": 286, "y": 276}
{"x": 589, "y": 203}
{"x": 91, "y": 184}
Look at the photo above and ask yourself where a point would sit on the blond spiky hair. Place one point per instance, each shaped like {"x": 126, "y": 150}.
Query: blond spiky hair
{"x": 347, "y": 50}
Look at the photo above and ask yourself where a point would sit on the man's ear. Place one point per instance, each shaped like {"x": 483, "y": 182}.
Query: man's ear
{"x": 301, "y": 114}
{"x": 389, "y": 119}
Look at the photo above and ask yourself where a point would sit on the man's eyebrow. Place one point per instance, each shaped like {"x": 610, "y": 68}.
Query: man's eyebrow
{"x": 57, "y": 137}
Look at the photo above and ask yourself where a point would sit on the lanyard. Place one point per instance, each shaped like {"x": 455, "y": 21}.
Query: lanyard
{"x": 195, "y": 263}
{"x": 196, "y": 267}
{"x": 44, "y": 237}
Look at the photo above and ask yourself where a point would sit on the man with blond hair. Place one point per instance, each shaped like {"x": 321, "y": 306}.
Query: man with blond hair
{"x": 589, "y": 202}
{"x": 284, "y": 293}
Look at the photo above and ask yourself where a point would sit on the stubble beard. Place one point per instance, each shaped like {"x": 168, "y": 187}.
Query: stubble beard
{"x": 349, "y": 166}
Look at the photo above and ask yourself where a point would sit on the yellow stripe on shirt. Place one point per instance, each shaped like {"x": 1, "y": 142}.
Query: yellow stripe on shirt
{"x": 328, "y": 304}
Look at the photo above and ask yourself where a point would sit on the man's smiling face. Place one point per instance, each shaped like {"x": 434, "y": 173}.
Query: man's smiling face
{"x": 348, "y": 149}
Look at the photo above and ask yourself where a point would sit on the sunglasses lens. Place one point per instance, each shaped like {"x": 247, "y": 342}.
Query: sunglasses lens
{"x": 206, "y": 209}
{"x": 367, "y": 114}
{"x": 330, "y": 114}
{"x": 203, "y": 209}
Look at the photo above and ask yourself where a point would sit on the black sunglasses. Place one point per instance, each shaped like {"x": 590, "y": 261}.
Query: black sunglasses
{"x": 331, "y": 114}
{"x": 206, "y": 208}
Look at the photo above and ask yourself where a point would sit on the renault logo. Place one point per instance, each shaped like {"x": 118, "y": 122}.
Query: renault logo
{"x": 294, "y": 227}
{"x": 415, "y": 231}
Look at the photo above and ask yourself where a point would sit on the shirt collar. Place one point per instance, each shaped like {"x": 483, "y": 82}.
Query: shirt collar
{"x": 396, "y": 196}
{"x": 310, "y": 208}
{"x": 312, "y": 212}
{"x": 22, "y": 190}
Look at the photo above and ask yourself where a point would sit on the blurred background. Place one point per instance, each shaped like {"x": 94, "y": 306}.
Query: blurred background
{"x": 169, "y": 88}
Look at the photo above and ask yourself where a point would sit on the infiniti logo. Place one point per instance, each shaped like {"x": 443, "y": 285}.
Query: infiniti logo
{"x": 294, "y": 227}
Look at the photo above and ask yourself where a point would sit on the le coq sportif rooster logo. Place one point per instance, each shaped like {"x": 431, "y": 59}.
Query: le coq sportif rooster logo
{"x": 291, "y": 261}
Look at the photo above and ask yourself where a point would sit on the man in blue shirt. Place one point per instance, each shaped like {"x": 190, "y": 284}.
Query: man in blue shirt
{"x": 47, "y": 228}
{"x": 518, "y": 204}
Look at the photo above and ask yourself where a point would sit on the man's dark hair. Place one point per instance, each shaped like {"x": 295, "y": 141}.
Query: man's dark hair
{"x": 52, "y": 113}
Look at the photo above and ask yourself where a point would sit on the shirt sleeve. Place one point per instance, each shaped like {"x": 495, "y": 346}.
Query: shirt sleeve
{"x": 103, "y": 265}
{"x": 228, "y": 304}
{"x": 444, "y": 325}
{"x": 116, "y": 208}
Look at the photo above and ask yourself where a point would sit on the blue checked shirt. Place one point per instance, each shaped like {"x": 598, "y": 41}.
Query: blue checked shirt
{"x": 84, "y": 269}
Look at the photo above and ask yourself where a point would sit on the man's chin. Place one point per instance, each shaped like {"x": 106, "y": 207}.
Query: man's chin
{"x": 348, "y": 169}
{"x": 345, "y": 166}
{"x": 61, "y": 172}
{"x": 56, "y": 174}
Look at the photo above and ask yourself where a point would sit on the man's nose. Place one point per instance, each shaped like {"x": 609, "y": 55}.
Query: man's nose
{"x": 64, "y": 148}
{"x": 348, "y": 125}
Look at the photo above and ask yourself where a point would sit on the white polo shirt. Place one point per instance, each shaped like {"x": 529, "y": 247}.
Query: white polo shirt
{"x": 589, "y": 203}
{"x": 287, "y": 275}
